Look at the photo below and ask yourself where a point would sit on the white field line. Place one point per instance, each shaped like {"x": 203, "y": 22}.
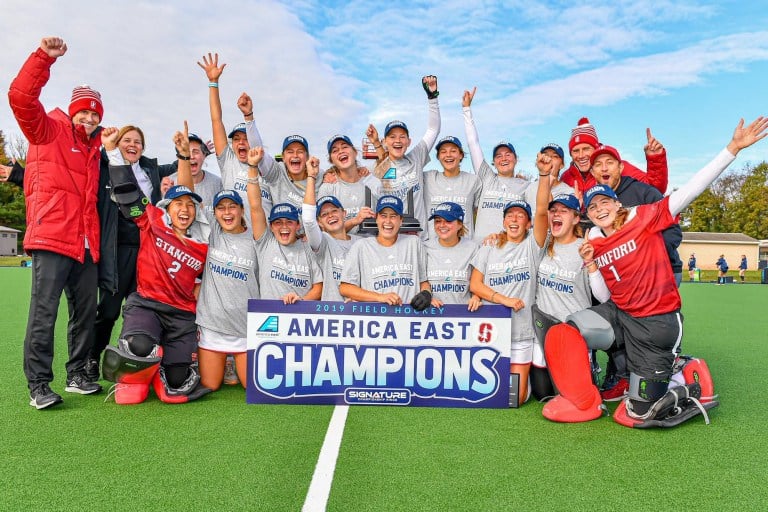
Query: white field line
{"x": 320, "y": 487}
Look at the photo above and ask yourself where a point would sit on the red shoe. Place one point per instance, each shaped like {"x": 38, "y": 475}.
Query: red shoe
{"x": 561, "y": 410}
{"x": 615, "y": 392}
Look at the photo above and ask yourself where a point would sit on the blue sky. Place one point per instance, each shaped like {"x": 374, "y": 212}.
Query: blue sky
{"x": 687, "y": 70}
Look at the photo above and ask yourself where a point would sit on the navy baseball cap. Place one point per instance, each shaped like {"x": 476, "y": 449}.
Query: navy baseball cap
{"x": 390, "y": 202}
{"x": 448, "y": 211}
{"x": 238, "y": 128}
{"x": 449, "y": 140}
{"x": 336, "y": 138}
{"x": 227, "y": 194}
{"x": 181, "y": 190}
{"x": 295, "y": 138}
{"x": 554, "y": 147}
{"x": 567, "y": 200}
{"x": 504, "y": 144}
{"x": 518, "y": 204}
{"x": 283, "y": 211}
{"x": 599, "y": 190}
{"x": 604, "y": 150}
{"x": 203, "y": 147}
{"x": 395, "y": 124}
{"x": 327, "y": 200}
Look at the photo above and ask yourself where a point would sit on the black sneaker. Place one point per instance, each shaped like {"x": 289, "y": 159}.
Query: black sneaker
{"x": 80, "y": 384}
{"x": 92, "y": 370}
{"x": 42, "y": 397}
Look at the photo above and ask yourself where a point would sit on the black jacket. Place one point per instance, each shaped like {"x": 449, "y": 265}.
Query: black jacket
{"x": 116, "y": 230}
{"x": 633, "y": 193}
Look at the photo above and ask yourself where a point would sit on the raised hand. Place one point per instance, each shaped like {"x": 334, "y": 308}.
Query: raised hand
{"x": 245, "y": 104}
{"x": 544, "y": 164}
{"x": 429, "y": 82}
{"x": 372, "y": 133}
{"x": 54, "y": 47}
{"x": 466, "y": 100}
{"x": 313, "y": 166}
{"x": 165, "y": 184}
{"x": 745, "y": 136}
{"x": 181, "y": 141}
{"x": 653, "y": 147}
{"x": 109, "y": 138}
{"x": 255, "y": 155}
{"x": 211, "y": 67}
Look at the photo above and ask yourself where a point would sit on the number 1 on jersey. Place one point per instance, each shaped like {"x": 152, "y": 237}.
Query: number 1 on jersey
{"x": 615, "y": 274}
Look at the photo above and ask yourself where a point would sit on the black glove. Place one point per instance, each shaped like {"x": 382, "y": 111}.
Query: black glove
{"x": 421, "y": 300}
{"x": 430, "y": 94}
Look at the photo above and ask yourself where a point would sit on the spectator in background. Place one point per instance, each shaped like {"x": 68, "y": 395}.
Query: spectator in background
{"x": 62, "y": 222}
{"x": 691, "y": 267}
{"x": 742, "y": 267}
{"x": 722, "y": 269}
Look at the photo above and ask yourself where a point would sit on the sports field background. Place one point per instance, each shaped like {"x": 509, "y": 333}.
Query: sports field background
{"x": 221, "y": 454}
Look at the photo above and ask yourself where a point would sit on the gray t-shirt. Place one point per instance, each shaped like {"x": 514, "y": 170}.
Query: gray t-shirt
{"x": 400, "y": 268}
{"x": 234, "y": 176}
{"x": 229, "y": 280}
{"x": 209, "y": 187}
{"x": 330, "y": 252}
{"x": 563, "y": 282}
{"x": 448, "y": 270}
{"x": 283, "y": 188}
{"x": 285, "y": 268}
{"x": 510, "y": 270}
{"x": 497, "y": 192}
{"x": 463, "y": 190}
{"x": 351, "y": 195}
{"x": 408, "y": 174}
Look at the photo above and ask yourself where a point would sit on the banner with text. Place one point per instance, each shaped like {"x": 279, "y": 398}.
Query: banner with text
{"x": 376, "y": 354}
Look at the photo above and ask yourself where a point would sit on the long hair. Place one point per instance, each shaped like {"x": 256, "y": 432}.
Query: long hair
{"x": 577, "y": 231}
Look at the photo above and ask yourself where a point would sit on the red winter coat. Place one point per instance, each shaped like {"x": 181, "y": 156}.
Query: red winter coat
{"x": 62, "y": 175}
{"x": 657, "y": 175}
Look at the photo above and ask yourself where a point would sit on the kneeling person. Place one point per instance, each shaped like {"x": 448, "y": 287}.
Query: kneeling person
{"x": 159, "y": 335}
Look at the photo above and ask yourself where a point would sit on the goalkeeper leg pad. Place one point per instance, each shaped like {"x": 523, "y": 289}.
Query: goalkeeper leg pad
{"x": 568, "y": 363}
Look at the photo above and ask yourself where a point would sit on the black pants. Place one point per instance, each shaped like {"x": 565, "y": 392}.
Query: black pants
{"x": 110, "y": 305}
{"x": 53, "y": 273}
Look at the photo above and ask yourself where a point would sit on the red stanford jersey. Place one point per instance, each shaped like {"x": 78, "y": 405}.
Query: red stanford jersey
{"x": 635, "y": 265}
{"x": 167, "y": 267}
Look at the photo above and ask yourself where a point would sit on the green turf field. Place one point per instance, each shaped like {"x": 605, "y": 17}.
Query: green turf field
{"x": 221, "y": 454}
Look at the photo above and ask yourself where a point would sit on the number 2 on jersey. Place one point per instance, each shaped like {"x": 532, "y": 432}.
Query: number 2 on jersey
{"x": 176, "y": 266}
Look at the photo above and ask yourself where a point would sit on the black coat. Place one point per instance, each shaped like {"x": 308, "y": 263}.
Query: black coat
{"x": 116, "y": 230}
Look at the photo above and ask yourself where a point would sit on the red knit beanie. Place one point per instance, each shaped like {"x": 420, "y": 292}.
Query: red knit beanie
{"x": 85, "y": 98}
{"x": 584, "y": 133}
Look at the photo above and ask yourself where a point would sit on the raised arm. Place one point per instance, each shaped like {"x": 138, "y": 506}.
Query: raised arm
{"x": 213, "y": 72}
{"x": 258, "y": 217}
{"x": 309, "y": 209}
{"x": 657, "y": 170}
{"x": 181, "y": 141}
{"x": 429, "y": 83}
{"x": 24, "y": 93}
{"x": 546, "y": 167}
{"x": 743, "y": 137}
{"x": 473, "y": 141}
